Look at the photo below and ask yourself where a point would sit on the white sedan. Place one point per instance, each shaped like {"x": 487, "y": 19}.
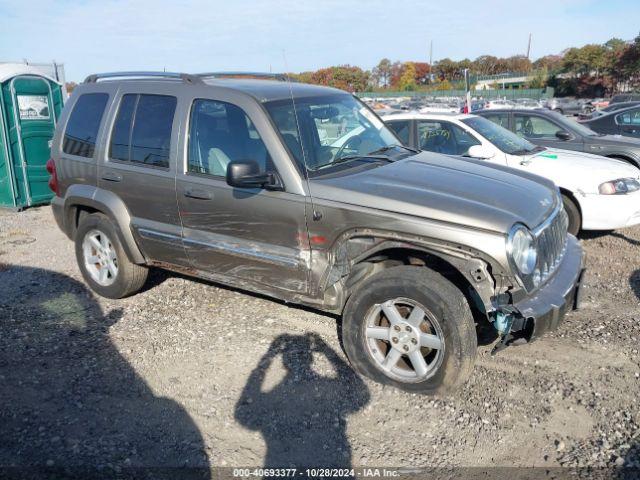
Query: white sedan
{"x": 599, "y": 193}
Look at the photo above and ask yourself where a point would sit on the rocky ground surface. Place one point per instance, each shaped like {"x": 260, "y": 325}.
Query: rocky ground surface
{"x": 190, "y": 374}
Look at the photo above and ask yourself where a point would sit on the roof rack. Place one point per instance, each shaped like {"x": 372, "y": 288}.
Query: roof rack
{"x": 283, "y": 77}
{"x": 185, "y": 77}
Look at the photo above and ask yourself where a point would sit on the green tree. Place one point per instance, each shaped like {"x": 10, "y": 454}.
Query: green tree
{"x": 381, "y": 73}
{"x": 408, "y": 77}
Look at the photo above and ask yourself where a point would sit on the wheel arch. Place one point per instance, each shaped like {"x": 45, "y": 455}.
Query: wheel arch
{"x": 626, "y": 158}
{"x": 471, "y": 276}
{"x": 84, "y": 199}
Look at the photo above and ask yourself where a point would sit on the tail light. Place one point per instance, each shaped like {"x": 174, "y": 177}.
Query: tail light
{"x": 53, "y": 179}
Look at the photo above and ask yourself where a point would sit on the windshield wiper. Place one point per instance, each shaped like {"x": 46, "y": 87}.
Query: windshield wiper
{"x": 348, "y": 158}
{"x": 524, "y": 151}
{"x": 395, "y": 145}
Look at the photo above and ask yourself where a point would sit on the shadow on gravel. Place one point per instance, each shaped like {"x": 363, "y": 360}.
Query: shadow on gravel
{"x": 303, "y": 418}
{"x": 634, "y": 282}
{"x": 622, "y": 236}
{"x": 70, "y": 404}
{"x": 631, "y": 466}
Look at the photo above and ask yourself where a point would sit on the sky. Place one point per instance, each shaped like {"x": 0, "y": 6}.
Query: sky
{"x": 91, "y": 36}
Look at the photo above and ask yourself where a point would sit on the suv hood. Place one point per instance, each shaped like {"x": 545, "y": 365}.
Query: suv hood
{"x": 447, "y": 189}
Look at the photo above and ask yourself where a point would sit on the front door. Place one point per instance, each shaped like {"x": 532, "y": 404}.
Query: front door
{"x": 34, "y": 106}
{"x": 542, "y": 131}
{"x": 247, "y": 234}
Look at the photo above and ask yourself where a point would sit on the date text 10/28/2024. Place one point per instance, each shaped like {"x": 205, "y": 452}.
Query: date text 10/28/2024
{"x": 316, "y": 472}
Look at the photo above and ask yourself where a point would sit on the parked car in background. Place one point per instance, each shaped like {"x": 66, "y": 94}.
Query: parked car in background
{"x": 527, "y": 103}
{"x": 302, "y": 193}
{"x": 608, "y": 109}
{"x": 625, "y": 122}
{"x": 499, "y": 104}
{"x": 625, "y": 97}
{"x": 439, "y": 107}
{"x": 566, "y": 105}
{"x": 598, "y": 193}
{"x": 550, "y": 129}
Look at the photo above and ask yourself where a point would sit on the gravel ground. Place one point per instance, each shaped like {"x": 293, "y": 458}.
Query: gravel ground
{"x": 192, "y": 374}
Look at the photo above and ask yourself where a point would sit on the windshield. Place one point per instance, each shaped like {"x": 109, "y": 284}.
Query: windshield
{"x": 330, "y": 130}
{"x": 505, "y": 140}
{"x": 579, "y": 128}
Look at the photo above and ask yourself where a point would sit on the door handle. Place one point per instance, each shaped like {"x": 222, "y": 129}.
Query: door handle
{"x": 197, "y": 193}
{"x": 112, "y": 177}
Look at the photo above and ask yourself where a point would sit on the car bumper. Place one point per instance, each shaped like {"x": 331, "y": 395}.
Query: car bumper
{"x": 545, "y": 309}
{"x": 608, "y": 212}
{"x": 57, "y": 207}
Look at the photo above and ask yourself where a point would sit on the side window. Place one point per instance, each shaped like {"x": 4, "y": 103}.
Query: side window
{"x": 84, "y": 122}
{"x": 142, "y": 130}
{"x": 629, "y": 118}
{"x": 220, "y": 133}
{"x": 444, "y": 137}
{"x": 121, "y": 134}
{"x": 401, "y": 128}
{"x": 531, "y": 126}
{"x": 501, "y": 119}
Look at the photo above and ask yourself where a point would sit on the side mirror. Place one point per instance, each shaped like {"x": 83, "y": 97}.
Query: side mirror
{"x": 562, "y": 135}
{"x": 479, "y": 151}
{"x": 247, "y": 174}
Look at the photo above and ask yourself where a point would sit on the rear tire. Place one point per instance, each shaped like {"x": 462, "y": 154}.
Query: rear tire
{"x": 573, "y": 212}
{"x": 435, "y": 324}
{"x": 102, "y": 260}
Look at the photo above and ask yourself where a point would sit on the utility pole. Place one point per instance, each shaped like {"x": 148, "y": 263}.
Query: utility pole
{"x": 529, "y": 47}
{"x": 431, "y": 60}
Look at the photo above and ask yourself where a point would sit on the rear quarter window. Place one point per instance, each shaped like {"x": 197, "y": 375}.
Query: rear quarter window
{"x": 84, "y": 122}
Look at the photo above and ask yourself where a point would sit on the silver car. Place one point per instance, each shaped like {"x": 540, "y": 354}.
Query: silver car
{"x": 301, "y": 193}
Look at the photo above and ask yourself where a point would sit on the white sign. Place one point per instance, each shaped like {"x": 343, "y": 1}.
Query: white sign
{"x": 33, "y": 107}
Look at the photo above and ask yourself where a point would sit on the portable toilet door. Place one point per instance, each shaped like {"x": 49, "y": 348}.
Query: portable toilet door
{"x": 30, "y": 105}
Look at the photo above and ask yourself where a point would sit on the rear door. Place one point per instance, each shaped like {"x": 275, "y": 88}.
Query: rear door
{"x": 542, "y": 131}
{"x": 35, "y": 107}
{"x": 247, "y": 234}
{"x": 629, "y": 123}
{"x": 139, "y": 166}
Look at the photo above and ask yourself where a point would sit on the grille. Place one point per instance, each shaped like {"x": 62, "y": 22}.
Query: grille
{"x": 551, "y": 237}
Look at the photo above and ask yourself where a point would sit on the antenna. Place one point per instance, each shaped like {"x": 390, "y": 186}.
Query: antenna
{"x": 295, "y": 114}
{"x": 529, "y": 47}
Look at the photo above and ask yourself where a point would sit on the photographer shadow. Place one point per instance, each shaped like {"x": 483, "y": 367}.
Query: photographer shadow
{"x": 70, "y": 404}
{"x": 303, "y": 419}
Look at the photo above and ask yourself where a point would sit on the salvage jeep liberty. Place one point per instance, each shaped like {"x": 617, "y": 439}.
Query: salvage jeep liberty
{"x": 301, "y": 193}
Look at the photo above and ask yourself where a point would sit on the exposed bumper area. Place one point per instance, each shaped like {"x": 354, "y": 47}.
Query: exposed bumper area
{"x": 608, "y": 212}
{"x": 545, "y": 309}
{"x": 57, "y": 207}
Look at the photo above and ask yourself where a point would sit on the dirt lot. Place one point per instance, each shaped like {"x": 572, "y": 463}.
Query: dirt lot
{"x": 191, "y": 374}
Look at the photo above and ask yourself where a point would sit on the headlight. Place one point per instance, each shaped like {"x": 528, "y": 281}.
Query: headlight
{"x": 521, "y": 249}
{"x": 620, "y": 186}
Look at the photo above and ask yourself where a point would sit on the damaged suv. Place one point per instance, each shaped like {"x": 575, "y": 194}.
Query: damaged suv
{"x": 301, "y": 193}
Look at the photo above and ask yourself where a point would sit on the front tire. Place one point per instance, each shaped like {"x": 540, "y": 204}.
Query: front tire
{"x": 411, "y": 328}
{"x": 103, "y": 261}
{"x": 573, "y": 212}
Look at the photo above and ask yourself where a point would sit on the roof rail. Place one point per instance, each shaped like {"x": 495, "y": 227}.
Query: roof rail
{"x": 185, "y": 77}
{"x": 283, "y": 77}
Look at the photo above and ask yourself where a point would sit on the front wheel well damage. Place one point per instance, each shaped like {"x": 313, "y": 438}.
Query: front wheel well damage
{"x": 394, "y": 257}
